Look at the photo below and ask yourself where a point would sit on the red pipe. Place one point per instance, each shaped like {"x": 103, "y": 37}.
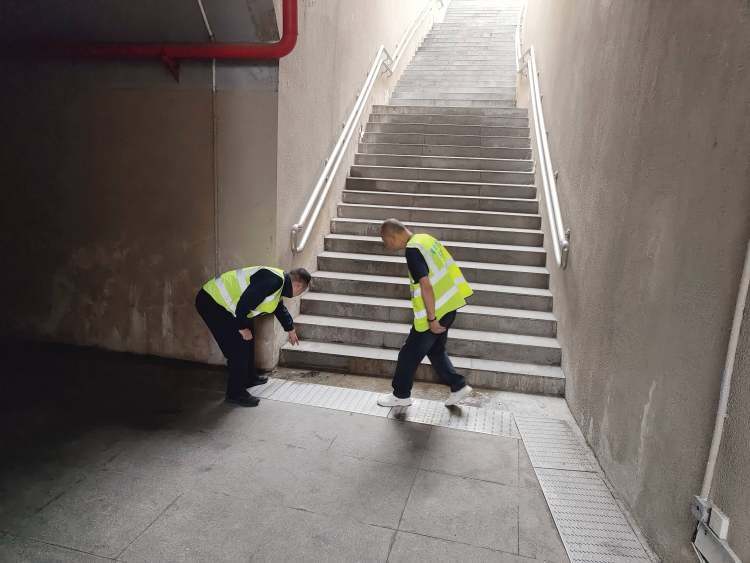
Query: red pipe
{"x": 172, "y": 53}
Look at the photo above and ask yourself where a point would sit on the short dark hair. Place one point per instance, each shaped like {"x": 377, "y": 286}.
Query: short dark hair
{"x": 300, "y": 274}
{"x": 391, "y": 227}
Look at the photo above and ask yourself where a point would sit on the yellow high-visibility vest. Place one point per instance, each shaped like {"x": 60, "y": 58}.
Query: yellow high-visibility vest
{"x": 227, "y": 289}
{"x": 448, "y": 283}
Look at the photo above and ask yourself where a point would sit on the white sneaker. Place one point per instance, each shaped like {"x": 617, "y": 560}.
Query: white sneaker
{"x": 390, "y": 400}
{"x": 459, "y": 395}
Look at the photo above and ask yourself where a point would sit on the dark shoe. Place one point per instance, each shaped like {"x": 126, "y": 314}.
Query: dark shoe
{"x": 257, "y": 381}
{"x": 246, "y": 400}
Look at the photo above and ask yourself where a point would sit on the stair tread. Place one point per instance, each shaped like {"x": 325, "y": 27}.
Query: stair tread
{"x": 440, "y": 196}
{"x": 440, "y": 157}
{"x": 441, "y": 225}
{"x": 406, "y": 304}
{"x": 464, "y": 170}
{"x": 463, "y": 183}
{"x": 482, "y": 245}
{"x": 498, "y": 288}
{"x": 456, "y": 333}
{"x": 438, "y": 209}
{"x": 461, "y": 264}
{"x": 554, "y": 372}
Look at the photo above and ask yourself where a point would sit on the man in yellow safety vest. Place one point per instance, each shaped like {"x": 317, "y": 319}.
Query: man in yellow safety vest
{"x": 438, "y": 290}
{"x": 229, "y": 304}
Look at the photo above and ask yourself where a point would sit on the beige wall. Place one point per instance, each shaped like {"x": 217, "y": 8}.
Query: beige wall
{"x": 647, "y": 111}
{"x": 106, "y": 223}
{"x": 126, "y": 190}
{"x": 318, "y": 85}
{"x": 109, "y": 218}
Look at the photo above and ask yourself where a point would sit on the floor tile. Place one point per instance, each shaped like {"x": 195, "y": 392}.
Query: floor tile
{"x": 468, "y": 454}
{"x": 475, "y": 512}
{"x": 412, "y": 548}
{"x": 101, "y": 514}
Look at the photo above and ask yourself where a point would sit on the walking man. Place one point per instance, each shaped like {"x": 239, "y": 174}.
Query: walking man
{"x": 229, "y": 304}
{"x": 438, "y": 290}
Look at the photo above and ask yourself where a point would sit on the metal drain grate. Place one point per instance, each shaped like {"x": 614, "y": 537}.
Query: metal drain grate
{"x": 468, "y": 418}
{"x": 552, "y": 444}
{"x": 590, "y": 522}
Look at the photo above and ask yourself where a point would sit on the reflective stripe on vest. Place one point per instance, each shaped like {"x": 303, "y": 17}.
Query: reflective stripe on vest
{"x": 227, "y": 289}
{"x": 448, "y": 283}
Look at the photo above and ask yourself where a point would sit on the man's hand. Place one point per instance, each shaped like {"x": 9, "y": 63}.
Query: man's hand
{"x": 246, "y": 334}
{"x": 293, "y": 338}
{"x": 436, "y": 327}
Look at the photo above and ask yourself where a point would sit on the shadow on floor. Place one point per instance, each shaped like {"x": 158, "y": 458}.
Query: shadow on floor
{"x": 54, "y": 393}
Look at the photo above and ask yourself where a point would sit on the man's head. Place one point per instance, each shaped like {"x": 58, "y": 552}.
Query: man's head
{"x": 300, "y": 281}
{"x": 394, "y": 234}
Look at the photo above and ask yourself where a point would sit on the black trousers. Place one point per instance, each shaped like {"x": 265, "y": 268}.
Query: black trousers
{"x": 240, "y": 353}
{"x": 417, "y": 346}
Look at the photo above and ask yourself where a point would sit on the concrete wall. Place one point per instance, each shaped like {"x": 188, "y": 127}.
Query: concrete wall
{"x": 125, "y": 190}
{"x": 647, "y": 110}
{"x": 318, "y": 85}
{"x": 731, "y": 492}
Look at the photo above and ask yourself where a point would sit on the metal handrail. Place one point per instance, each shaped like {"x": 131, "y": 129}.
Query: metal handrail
{"x": 318, "y": 196}
{"x": 561, "y": 235}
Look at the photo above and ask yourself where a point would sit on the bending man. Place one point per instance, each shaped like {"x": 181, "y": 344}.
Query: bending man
{"x": 229, "y": 304}
{"x": 438, "y": 290}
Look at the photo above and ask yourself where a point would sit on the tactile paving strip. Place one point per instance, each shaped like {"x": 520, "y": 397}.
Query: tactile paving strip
{"x": 591, "y": 525}
{"x": 552, "y": 444}
{"x": 468, "y": 418}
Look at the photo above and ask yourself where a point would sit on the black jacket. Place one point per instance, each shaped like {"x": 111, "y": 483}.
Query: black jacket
{"x": 262, "y": 284}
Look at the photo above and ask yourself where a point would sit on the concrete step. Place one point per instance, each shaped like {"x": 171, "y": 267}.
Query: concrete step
{"x": 458, "y": 233}
{"x": 450, "y": 75}
{"x": 456, "y": 110}
{"x": 496, "y": 66}
{"x": 454, "y": 140}
{"x": 447, "y": 96}
{"x": 407, "y": 81}
{"x": 471, "y": 317}
{"x": 463, "y": 57}
{"x": 448, "y": 129}
{"x": 437, "y": 201}
{"x": 478, "y": 120}
{"x": 453, "y": 103}
{"x": 467, "y": 343}
{"x": 363, "y": 360}
{"x": 453, "y": 175}
{"x": 420, "y": 87}
{"x": 397, "y": 287}
{"x": 477, "y": 37}
{"x": 444, "y": 150}
{"x": 436, "y": 215}
{"x": 437, "y": 187}
{"x": 479, "y": 272}
{"x": 451, "y": 162}
{"x": 463, "y": 251}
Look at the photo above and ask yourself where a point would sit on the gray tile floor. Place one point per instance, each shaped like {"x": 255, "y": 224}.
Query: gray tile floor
{"x": 282, "y": 482}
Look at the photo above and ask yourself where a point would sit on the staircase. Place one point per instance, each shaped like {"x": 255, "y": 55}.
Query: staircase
{"x": 450, "y": 156}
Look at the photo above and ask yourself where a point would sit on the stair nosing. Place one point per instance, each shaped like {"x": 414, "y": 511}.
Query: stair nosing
{"x": 444, "y": 225}
{"x": 456, "y": 333}
{"x": 539, "y": 270}
{"x": 502, "y": 312}
{"x": 438, "y": 196}
{"x": 449, "y": 243}
{"x": 497, "y": 288}
{"x": 478, "y": 158}
{"x": 523, "y": 369}
{"x": 507, "y": 213}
